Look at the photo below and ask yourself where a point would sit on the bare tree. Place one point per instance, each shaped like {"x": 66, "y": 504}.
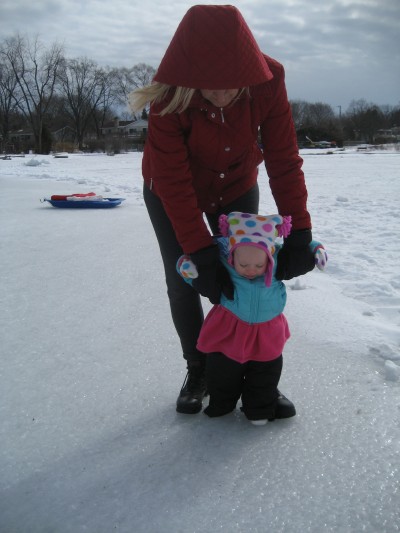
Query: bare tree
{"x": 320, "y": 114}
{"x": 142, "y": 75}
{"x": 311, "y": 115}
{"x": 363, "y": 119}
{"x": 128, "y": 79}
{"x": 299, "y": 111}
{"x": 80, "y": 80}
{"x": 103, "y": 98}
{"x": 124, "y": 84}
{"x": 36, "y": 71}
{"x": 8, "y": 100}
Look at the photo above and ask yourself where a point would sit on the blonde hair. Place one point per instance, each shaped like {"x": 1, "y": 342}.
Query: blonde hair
{"x": 157, "y": 92}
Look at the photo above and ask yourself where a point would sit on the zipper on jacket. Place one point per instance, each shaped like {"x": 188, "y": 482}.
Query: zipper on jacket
{"x": 222, "y": 114}
{"x": 254, "y": 301}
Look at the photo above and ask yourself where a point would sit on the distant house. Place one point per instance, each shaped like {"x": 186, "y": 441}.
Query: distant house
{"x": 19, "y": 141}
{"x": 391, "y": 135}
{"x": 21, "y": 136}
{"x": 136, "y": 129}
{"x": 113, "y": 128}
{"x": 65, "y": 134}
{"x": 23, "y": 139}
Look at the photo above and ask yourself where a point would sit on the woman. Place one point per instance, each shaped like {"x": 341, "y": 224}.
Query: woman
{"x": 214, "y": 99}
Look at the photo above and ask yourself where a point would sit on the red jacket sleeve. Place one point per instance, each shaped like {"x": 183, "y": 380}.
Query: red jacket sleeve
{"x": 281, "y": 156}
{"x": 166, "y": 170}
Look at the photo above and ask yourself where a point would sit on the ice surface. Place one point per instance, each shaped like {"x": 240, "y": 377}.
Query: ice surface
{"x": 90, "y": 367}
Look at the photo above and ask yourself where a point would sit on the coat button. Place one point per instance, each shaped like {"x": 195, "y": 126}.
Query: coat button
{"x": 212, "y": 115}
{"x": 222, "y": 175}
{"x": 227, "y": 149}
{"x": 213, "y": 205}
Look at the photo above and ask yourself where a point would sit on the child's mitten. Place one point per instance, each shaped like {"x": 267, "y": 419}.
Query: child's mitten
{"x": 187, "y": 268}
{"x": 320, "y": 255}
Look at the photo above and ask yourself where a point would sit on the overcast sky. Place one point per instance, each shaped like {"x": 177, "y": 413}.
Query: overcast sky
{"x": 334, "y": 51}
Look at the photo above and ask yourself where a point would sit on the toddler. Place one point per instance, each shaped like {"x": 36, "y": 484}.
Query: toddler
{"x": 244, "y": 337}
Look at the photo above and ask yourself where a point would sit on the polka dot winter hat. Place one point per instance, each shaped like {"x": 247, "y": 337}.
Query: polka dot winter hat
{"x": 255, "y": 230}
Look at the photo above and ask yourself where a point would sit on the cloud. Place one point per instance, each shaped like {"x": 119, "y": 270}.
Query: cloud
{"x": 336, "y": 50}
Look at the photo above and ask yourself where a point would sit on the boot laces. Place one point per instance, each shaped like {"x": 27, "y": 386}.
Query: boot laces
{"x": 195, "y": 380}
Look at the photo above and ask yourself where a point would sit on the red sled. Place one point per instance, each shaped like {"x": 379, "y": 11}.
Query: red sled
{"x": 88, "y": 200}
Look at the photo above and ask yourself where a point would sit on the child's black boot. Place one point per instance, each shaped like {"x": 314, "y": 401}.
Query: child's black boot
{"x": 284, "y": 407}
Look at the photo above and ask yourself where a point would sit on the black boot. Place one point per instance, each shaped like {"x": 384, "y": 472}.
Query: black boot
{"x": 193, "y": 390}
{"x": 284, "y": 408}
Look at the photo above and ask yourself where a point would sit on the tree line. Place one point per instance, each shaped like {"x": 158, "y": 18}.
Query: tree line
{"x": 41, "y": 89}
{"x": 362, "y": 121}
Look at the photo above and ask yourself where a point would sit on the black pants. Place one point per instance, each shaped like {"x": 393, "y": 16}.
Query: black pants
{"x": 256, "y": 382}
{"x": 186, "y": 310}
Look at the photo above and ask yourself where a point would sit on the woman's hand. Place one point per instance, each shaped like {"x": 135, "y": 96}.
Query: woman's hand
{"x": 295, "y": 258}
{"x": 213, "y": 278}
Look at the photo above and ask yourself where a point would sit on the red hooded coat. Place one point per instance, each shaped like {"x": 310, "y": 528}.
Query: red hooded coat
{"x": 206, "y": 157}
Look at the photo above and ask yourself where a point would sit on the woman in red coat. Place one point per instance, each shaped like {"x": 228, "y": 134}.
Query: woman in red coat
{"x": 218, "y": 108}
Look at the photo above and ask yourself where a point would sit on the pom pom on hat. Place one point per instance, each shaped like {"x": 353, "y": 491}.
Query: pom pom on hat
{"x": 223, "y": 225}
{"x": 256, "y": 230}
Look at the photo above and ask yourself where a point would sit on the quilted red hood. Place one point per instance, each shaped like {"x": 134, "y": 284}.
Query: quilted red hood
{"x": 213, "y": 48}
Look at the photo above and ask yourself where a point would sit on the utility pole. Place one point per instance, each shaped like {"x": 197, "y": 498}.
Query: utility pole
{"x": 340, "y": 125}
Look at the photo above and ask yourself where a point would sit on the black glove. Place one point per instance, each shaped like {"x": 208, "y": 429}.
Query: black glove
{"x": 295, "y": 257}
{"x": 213, "y": 277}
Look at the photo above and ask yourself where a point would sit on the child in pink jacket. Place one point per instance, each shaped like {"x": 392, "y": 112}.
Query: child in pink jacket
{"x": 244, "y": 337}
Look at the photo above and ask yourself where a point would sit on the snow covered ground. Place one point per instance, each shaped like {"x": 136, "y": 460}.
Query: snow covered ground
{"x": 90, "y": 366}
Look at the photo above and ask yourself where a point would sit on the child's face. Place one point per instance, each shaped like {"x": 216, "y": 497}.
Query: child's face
{"x": 249, "y": 261}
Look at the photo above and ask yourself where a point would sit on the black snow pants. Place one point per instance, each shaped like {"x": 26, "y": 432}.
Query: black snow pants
{"x": 256, "y": 382}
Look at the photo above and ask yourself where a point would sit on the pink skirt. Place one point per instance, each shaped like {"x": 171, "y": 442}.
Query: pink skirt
{"x": 223, "y": 332}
